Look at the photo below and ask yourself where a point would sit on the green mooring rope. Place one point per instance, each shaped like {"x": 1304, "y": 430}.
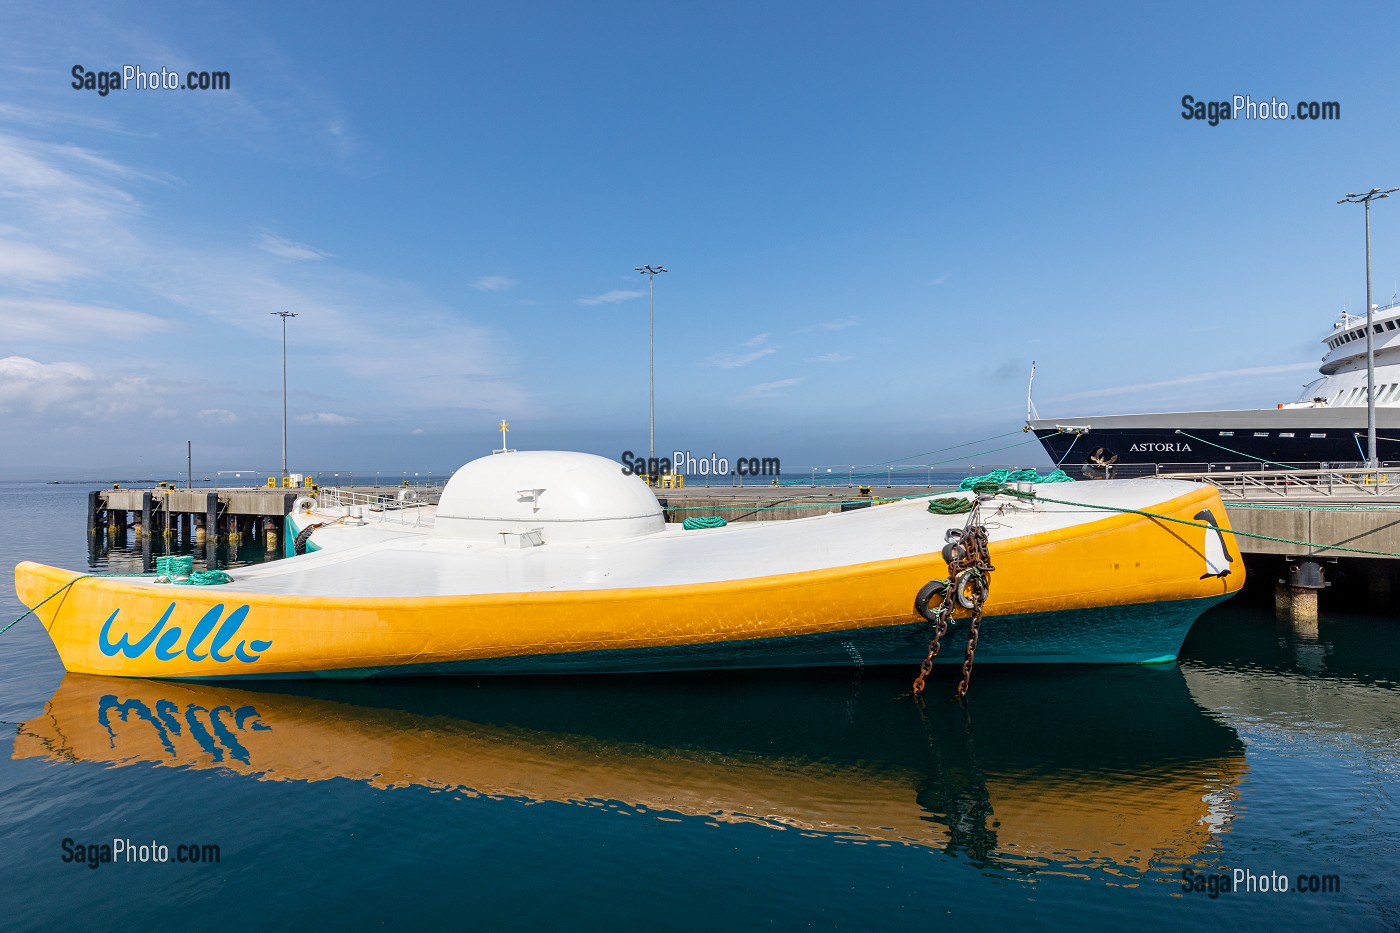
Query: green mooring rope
{"x": 173, "y": 566}
{"x": 31, "y": 611}
{"x": 206, "y": 578}
{"x": 180, "y": 571}
{"x": 990, "y": 483}
{"x": 1236, "y": 452}
{"x": 995, "y": 480}
{"x": 703, "y": 521}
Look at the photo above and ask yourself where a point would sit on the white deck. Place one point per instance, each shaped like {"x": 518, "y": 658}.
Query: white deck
{"x": 389, "y": 560}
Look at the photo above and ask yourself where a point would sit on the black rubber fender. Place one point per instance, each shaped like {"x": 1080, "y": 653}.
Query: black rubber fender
{"x": 970, "y": 588}
{"x": 952, "y": 551}
{"x": 926, "y": 595}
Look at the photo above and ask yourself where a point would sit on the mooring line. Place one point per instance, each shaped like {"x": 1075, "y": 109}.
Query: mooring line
{"x": 1236, "y": 452}
{"x": 1316, "y": 545}
{"x": 30, "y": 612}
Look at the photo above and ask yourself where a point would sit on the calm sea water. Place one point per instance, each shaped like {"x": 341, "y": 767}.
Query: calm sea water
{"x": 1059, "y": 799}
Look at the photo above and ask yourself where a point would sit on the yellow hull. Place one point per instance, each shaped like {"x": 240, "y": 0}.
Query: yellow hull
{"x": 863, "y": 612}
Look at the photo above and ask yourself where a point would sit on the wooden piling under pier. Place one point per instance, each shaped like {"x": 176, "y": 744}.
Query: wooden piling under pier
{"x": 191, "y": 516}
{"x": 207, "y": 517}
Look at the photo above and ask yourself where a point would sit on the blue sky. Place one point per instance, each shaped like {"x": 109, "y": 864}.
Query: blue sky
{"x": 874, "y": 217}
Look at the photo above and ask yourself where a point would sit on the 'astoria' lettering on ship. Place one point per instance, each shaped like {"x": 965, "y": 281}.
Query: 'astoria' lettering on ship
{"x": 1162, "y": 447}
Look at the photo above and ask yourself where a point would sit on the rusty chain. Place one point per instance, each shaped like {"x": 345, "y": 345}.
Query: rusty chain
{"x": 939, "y": 630}
{"x": 973, "y": 630}
{"x": 969, "y": 564}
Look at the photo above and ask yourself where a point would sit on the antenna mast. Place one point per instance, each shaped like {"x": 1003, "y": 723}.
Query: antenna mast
{"x": 1030, "y": 405}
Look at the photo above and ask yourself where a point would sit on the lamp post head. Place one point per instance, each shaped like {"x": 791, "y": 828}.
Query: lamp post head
{"x": 1372, "y": 195}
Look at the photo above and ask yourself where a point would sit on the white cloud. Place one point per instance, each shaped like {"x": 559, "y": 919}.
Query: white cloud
{"x": 756, "y": 351}
{"x": 941, "y": 279}
{"x": 324, "y": 417}
{"x": 1188, "y": 380}
{"x": 34, "y": 386}
{"x": 831, "y": 358}
{"x": 49, "y": 118}
{"x": 494, "y": 283}
{"x": 767, "y": 389}
{"x": 26, "y": 264}
{"x": 612, "y": 297}
{"x": 829, "y": 326}
{"x": 735, "y": 360}
{"x": 289, "y": 249}
{"x": 220, "y": 416}
{"x": 65, "y": 186}
{"x": 29, "y": 387}
{"x": 54, "y": 320}
{"x": 416, "y": 431}
{"x": 76, "y": 213}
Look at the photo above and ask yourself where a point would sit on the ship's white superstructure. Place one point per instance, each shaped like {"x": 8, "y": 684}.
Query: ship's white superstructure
{"x": 1342, "y": 382}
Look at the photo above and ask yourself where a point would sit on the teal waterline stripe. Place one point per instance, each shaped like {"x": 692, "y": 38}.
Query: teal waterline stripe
{"x": 1140, "y": 633}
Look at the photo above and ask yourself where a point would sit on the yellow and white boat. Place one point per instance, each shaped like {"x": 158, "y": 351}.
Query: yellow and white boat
{"x": 552, "y": 562}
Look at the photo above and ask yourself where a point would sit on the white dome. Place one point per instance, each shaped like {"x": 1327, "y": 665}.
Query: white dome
{"x": 530, "y": 497}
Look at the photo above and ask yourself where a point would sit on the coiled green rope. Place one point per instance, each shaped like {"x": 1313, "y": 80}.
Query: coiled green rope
{"x": 703, "y": 521}
{"x": 180, "y": 570}
{"x": 989, "y": 483}
{"x": 206, "y": 578}
{"x": 175, "y": 566}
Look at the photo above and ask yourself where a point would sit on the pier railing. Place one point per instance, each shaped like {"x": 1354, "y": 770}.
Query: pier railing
{"x": 412, "y": 507}
{"x": 1301, "y": 484}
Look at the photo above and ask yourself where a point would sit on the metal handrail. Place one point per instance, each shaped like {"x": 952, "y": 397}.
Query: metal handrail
{"x": 381, "y": 508}
{"x": 1301, "y": 484}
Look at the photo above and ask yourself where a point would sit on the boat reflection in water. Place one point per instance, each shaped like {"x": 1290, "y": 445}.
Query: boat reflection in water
{"x": 1113, "y": 773}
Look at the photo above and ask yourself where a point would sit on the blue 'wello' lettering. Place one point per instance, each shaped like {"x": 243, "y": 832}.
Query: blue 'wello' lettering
{"x": 167, "y": 640}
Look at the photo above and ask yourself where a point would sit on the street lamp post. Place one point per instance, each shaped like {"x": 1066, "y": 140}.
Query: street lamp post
{"x": 284, "y": 315}
{"x": 1366, "y": 199}
{"x": 651, "y": 272}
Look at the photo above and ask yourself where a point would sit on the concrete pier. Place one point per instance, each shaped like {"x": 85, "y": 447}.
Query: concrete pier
{"x": 190, "y": 518}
